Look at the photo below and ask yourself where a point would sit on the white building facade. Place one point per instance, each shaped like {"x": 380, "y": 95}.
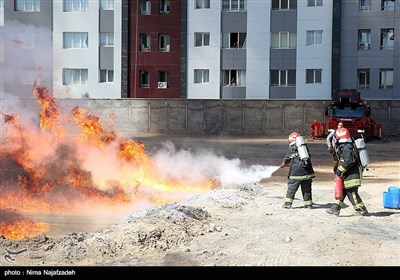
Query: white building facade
{"x": 229, "y": 49}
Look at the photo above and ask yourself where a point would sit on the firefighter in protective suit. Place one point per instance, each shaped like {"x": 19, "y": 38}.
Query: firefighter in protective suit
{"x": 300, "y": 173}
{"x": 351, "y": 172}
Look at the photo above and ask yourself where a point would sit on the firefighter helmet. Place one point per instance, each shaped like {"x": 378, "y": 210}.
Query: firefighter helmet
{"x": 292, "y": 137}
{"x": 343, "y": 135}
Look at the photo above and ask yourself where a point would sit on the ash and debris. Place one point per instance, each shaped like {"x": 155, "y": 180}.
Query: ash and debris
{"x": 230, "y": 225}
{"x": 156, "y": 229}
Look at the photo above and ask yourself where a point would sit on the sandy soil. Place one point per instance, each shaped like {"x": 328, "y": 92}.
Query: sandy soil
{"x": 238, "y": 224}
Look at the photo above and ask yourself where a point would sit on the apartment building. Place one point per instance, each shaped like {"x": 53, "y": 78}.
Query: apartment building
{"x": 288, "y": 49}
{"x": 72, "y": 46}
{"x": 26, "y": 49}
{"x": 370, "y": 48}
{"x": 87, "y": 48}
{"x": 157, "y": 48}
{"x": 206, "y": 49}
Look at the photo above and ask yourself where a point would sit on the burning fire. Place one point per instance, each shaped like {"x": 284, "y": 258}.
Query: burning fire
{"x": 47, "y": 170}
{"x": 15, "y": 226}
{"x": 49, "y": 112}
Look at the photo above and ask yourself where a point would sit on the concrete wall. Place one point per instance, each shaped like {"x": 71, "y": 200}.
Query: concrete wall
{"x": 211, "y": 117}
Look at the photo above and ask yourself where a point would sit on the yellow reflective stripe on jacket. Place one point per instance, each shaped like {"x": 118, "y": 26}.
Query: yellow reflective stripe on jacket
{"x": 341, "y": 169}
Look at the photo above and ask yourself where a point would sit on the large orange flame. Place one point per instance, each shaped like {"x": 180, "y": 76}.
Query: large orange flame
{"x": 91, "y": 129}
{"x": 91, "y": 173}
{"x": 49, "y": 113}
{"x": 14, "y": 226}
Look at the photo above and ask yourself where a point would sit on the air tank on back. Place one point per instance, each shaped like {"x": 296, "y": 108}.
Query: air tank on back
{"x": 302, "y": 148}
{"x": 362, "y": 150}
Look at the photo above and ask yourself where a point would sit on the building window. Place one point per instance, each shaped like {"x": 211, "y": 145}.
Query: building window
{"x": 75, "y": 76}
{"x": 363, "y": 78}
{"x": 107, "y": 4}
{"x": 234, "y": 78}
{"x": 75, "y": 40}
{"x": 313, "y": 76}
{"x": 314, "y": 3}
{"x": 145, "y": 42}
{"x": 164, "y": 6}
{"x": 201, "y": 76}
{"x": 234, "y": 40}
{"x": 202, "y": 4}
{"x": 234, "y": 5}
{"x": 201, "y": 39}
{"x": 284, "y": 5}
{"x": 163, "y": 43}
{"x": 106, "y": 39}
{"x": 314, "y": 38}
{"x": 284, "y": 40}
{"x": 387, "y": 38}
{"x": 106, "y": 76}
{"x": 145, "y": 7}
{"x": 387, "y": 5}
{"x": 364, "y": 39}
{"x": 144, "y": 79}
{"x": 75, "y": 5}
{"x": 386, "y": 78}
{"x": 27, "y": 5}
{"x": 162, "y": 79}
{"x": 365, "y": 5}
{"x": 283, "y": 78}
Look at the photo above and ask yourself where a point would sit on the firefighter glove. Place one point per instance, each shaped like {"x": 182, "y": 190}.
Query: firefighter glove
{"x": 282, "y": 165}
{"x": 338, "y": 173}
{"x": 330, "y": 149}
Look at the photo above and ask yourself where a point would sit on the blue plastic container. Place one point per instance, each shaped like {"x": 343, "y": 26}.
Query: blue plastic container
{"x": 395, "y": 190}
{"x": 391, "y": 198}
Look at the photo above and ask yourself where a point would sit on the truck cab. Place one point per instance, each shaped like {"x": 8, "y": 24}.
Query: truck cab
{"x": 348, "y": 107}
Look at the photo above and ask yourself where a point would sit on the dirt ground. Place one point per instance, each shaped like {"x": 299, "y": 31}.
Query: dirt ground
{"x": 240, "y": 224}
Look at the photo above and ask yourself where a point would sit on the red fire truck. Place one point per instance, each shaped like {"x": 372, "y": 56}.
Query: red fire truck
{"x": 348, "y": 107}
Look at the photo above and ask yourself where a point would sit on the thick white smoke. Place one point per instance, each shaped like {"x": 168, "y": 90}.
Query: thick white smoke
{"x": 27, "y": 57}
{"x": 194, "y": 164}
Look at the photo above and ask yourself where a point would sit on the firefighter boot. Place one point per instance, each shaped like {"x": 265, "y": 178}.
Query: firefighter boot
{"x": 334, "y": 210}
{"x": 287, "y": 205}
{"x": 361, "y": 212}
